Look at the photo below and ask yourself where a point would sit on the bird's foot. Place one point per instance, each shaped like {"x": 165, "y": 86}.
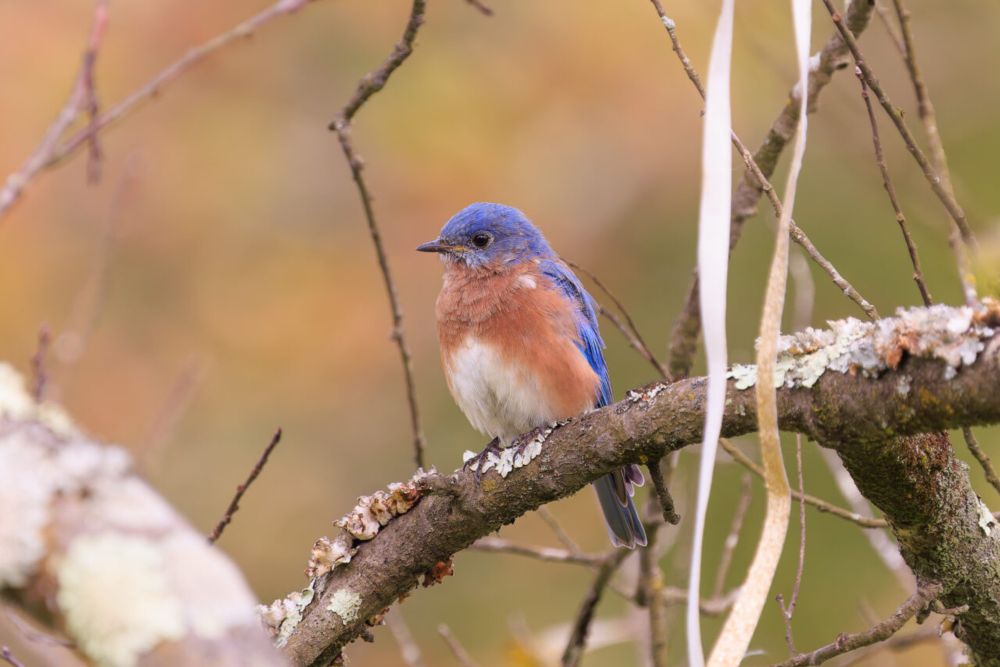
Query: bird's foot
{"x": 478, "y": 461}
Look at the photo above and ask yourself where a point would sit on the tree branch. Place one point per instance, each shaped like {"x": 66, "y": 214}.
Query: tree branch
{"x": 916, "y": 373}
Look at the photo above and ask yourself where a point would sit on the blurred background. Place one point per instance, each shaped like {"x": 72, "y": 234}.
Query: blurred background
{"x": 219, "y": 281}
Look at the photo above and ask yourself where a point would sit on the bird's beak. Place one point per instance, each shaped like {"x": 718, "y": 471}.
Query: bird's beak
{"x": 436, "y": 246}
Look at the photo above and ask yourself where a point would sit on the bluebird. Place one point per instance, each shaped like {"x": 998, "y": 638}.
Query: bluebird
{"x": 520, "y": 342}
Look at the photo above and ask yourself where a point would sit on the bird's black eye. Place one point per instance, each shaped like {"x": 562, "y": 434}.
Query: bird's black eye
{"x": 481, "y": 239}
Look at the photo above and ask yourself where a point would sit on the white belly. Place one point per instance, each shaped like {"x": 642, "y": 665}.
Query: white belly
{"x": 498, "y": 397}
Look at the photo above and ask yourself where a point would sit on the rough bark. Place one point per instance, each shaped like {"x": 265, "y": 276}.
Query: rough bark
{"x": 858, "y": 388}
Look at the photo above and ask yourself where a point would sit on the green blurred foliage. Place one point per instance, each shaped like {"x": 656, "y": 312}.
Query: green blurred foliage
{"x": 238, "y": 291}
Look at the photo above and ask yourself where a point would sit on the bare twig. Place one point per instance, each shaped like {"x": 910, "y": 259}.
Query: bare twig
{"x": 578, "y": 637}
{"x": 733, "y": 537}
{"x": 7, "y": 656}
{"x": 483, "y": 9}
{"x": 174, "y": 406}
{"x": 911, "y": 246}
{"x": 788, "y": 611}
{"x": 877, "y": 633}
{"x": 51, "y": 152}
{"x": 548, "y": 554}
{"x": 651, "y": 589}
{"x": 663, "y": 493}
{"x": 818, "y": 503}
{"x": 370, "y": 84}
{"x": 628, "y": 328}
{"x": 39, "y": 378}
{"x": 78, "y": 100}
{"x": 890, "y": 29}
{"x": 408, "y": 648}
{"x": 558, "y": 530}
{"x": 925, "y": 109}
{"x": 234, "y": 504}
{"x": 687, "y": 325}
{"x": 982, "y": 457}
{"x": 90, "y": 102}
{"x": 457, "y": 649}
{"x": 933, "y": 176}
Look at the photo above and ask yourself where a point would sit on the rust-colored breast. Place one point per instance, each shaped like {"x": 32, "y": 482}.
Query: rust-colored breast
{"x": 521, "y": 313}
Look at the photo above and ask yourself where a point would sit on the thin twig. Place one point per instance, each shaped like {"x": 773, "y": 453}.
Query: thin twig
{"x": 982, "y": 457}
{"x": 911, "y": 246}
{"x": 39, "y": 378}
{"x": 483, "y": 9}
{"x": 877, "y": 633}
{"x": 558, "y": 530}
{"x": 663, "y": 493}
{"x": 173, "y": 408}
{"x": 687, "y": 325}
{"x": 628, "y": 328}
{"x": 234, "y": 504}
{"x": 925, "y": 109}
{"x": 408, "y": 648}
{"x": 581, "y": 626}
{"x": 733, "y": 538}
{"x": 651, "y": 589}
{"x": 548, "y": 554}
{"x": 788, "y": 611}
{"x": 890, "y": 29}
{"x": 7, "y": 656}
{"x": 90, "y": 102}
{"x": 932, "y": 175}
{"x": 797, "y": 234}
{"x": 818, "y": 503}
{"x": 370, "y": 84}
{"x": 457, "y": 649}
{"x": 50, "y": 151}
{"x": 46, "y": 151}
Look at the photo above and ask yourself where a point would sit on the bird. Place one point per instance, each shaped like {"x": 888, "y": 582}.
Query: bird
{"x": 520, "y": 343}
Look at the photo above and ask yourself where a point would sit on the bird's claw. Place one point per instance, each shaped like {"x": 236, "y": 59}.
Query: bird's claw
{"x": 479, "y": 460}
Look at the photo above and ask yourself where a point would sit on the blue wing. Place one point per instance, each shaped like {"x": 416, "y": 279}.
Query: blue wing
{"x": 614, "y": 491}
{"x": 590, "y": 343}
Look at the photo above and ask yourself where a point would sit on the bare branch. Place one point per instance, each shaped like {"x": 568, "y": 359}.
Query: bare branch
{"x": 457, "y": 649}
{"x": 497, "y": 545}
{"x": 663, "y": 494}
{"x": 930, "y": 173}
{"x": 833, "y": 56}
{"x": 925, "y": 109}
{"x": 628, "y": 328}
{"x": 8, "y": 656}
{"x": 558, "y": 530}
{"x": 877, "y": 633}
{"x": 54, "y": 150}
{"x": 788, "y": 611}
{"x": 370, "y": 84}
{"x": 581, "y": 626}
{"x": 234, "y": 504}
{"x": 818, "y": 503}
{"x": 911, "y": 246}
{"x": 482, "y": 8}
{"x": 39, "y": 378}
{"x": 982, "y": 457}
{"x": 733, "y": 537}
{"x": 408, "y": 648}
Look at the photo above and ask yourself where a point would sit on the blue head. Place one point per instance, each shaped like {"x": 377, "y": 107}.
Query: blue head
{"x": 489, "y": 235}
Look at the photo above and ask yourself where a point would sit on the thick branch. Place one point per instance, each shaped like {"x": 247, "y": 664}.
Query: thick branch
{"x": 89, "y": 546}
{"x": 857, "y": 387}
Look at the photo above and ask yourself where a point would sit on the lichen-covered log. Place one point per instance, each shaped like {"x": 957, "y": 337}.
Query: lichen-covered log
{"x": 88, "y": 546}
{"x": 856, "y": 386}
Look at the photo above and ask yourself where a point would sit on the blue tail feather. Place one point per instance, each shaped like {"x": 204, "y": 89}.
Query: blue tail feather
{"x": 624, "y": 526}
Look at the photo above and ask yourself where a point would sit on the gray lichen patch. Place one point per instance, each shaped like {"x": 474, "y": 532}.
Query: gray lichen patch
{"x": 346, "y": 604}
{"x": 281, "y": 617}
{"x": 954, "y": 336}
